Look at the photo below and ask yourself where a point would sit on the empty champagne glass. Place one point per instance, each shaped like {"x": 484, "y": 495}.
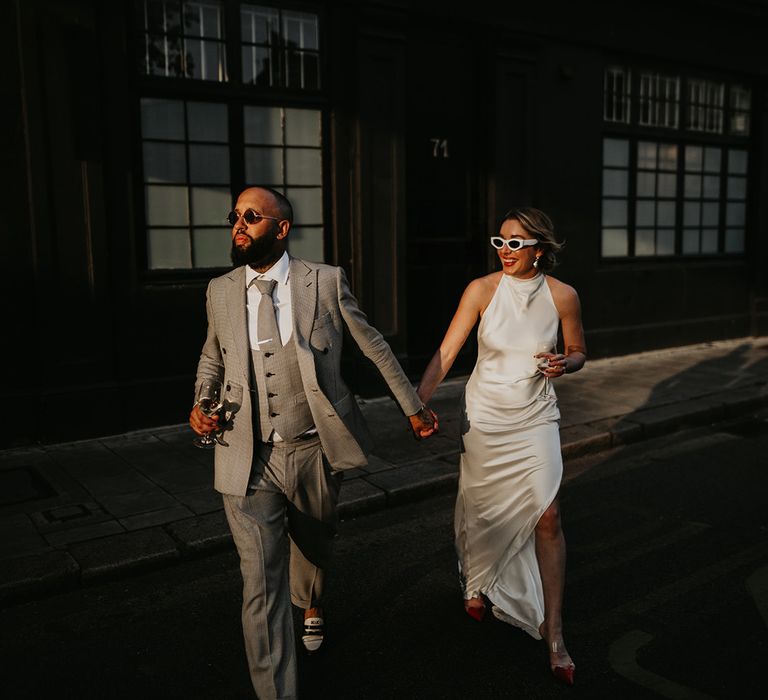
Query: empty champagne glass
{"x": 210, "y": 403}
{"x": 542, "y": 363}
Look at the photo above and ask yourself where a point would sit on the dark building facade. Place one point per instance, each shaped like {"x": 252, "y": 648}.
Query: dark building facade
{"x": 401, "y": 131}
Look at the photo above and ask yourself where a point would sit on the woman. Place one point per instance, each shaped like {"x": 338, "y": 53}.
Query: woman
{"x": 509, "y": 541}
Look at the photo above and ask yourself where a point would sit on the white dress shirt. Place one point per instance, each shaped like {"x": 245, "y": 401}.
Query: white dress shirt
{"x": 281, "y": 296}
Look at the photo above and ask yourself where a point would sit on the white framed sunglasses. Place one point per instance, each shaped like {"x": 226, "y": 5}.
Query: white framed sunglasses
{"x": 512, "y": 243}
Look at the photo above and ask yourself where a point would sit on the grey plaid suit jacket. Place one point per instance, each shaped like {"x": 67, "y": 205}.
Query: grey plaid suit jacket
{"x": 321, "y": 302}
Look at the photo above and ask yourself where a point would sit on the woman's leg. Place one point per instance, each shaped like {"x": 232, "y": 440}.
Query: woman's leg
{"x": 550, "y": 553}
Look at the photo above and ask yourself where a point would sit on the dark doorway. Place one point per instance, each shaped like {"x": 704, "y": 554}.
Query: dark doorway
{"x": 445, "y": 188}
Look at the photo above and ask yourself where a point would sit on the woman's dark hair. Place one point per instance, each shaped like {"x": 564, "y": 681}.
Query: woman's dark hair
{"x": 536, "y": 223}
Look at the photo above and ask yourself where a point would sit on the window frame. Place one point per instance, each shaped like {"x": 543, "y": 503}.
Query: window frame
{"x": 634, "y": 132}
{"x": 236, "y": 95}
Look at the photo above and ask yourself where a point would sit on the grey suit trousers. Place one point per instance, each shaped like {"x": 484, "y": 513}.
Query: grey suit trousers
{"x": 283, "y": 530}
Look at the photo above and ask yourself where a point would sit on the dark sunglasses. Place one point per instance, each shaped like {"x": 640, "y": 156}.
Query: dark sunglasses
{"x": 512, "y": 243}
{"x": 249, "y": 216}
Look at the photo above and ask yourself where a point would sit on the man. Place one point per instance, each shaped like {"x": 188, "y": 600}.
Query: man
{"x": 275, "y": 328}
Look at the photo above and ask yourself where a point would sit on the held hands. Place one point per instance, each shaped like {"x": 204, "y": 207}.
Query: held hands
{"x": 202, "y": 424}
{"x": 552, "y": 365}
{"x": 424, "y": 423}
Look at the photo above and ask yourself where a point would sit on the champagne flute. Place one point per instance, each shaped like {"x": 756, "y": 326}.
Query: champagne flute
{"x": 542, "y": 364}
{"x": 210, "y": 403}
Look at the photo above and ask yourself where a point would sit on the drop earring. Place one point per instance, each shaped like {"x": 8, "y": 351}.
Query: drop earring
{"x": 536, "y": 263}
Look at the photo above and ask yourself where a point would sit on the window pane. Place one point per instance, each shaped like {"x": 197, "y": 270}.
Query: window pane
{"x": 204, "y": 60}
{"x": 710, "y": 213}
{"x": 709, "y": 240}
{"x": 645, "y": 214}
{"x": 737, "y": 162}
{"x": 302, "y": 127}
{"x": 211, "y": 247}
{"x": 667, "y": 156}
{"x": 307, "y": 205}
{"x": 154, "y": 20}
{"x": 168, "y": 248}
{"x": 737, "y": 188}
{"x": 202, "y": 19}
{"x": 263, "y": 166}
{"x": 164, "y": 162}
{"x": 694, "y": 158}
{"x": 616, "y": 152}
{"x": 712, "y": 160}
{"x": 162, "y": 119}
{"x": 665, "y": 241}
{"x": 645, "y": 242}
{"x": 646, "y": 155}
{"x": 666, "y": 214}
{"x": 690, "y": 242}
{"x": 209, "y": 164}
{"x": 259, "y": 66}
{"x": 691, "y": 214}
{"x": 734, "y": 241}
{"x": 614, "y": 212}
{"x": 711, "y": 186}
{"x": 693, "y": 185}
{"x": 166, "y": 206}
{"x": 735, "y": 214}
{"x": 306, "y": 243}
{"x": 615, "y": 182}
{"x": 614, "y": 242}
{"x": 210, "y": 205}
{"x": 616, "y": 94}
{"x": 259, "y": 24}
{"x": 667, "y": 185}
{"x": 300, "y": 29}
{"x": 646, "y": 184}
{"x": 263, "y": 125}
{"x": 303, "y": 166}
{"x": 207, "y": 122}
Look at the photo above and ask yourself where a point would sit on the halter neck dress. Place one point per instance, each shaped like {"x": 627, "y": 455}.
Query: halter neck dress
{"x": 510, "y": 466}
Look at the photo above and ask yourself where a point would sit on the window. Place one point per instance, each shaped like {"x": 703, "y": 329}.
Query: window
{"x": 283, "y": 151}
{"x": 186, "y": 183}
{"x": 616, "y": 87}
{"x": 202, "y": 145}
{"x": 667, "y": 190}
{"x": 706, "y": 101}
{"x": 280, "y": 48}
{"x": 184, "y": 39}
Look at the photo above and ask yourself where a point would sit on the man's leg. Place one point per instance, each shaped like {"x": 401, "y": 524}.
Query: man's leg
{"x": 313, "y": 495}
{"x": 257, "y": 522}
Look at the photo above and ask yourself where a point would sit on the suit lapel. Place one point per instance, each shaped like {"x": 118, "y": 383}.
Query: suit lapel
{"x": 303, "y": 281}
{"x": 235, "y": 299}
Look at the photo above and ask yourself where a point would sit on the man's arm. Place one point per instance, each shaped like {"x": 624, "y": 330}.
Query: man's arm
{"x": 209, "y": 365}
{"x": 375, "y": 348}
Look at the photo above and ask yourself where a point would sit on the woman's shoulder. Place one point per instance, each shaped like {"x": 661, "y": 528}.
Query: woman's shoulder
{"x": 566, "y": 298}
{"x": 485, "y": 286}
{"x": 560, "y": 288}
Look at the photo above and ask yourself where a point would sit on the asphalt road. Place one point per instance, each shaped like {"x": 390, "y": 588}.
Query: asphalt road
{"x": 667, "y": 597}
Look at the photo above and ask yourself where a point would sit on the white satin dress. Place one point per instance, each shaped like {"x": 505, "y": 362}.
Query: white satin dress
{"x": 511, "y": 465}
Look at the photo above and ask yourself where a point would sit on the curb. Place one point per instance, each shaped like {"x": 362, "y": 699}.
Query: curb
{"x": 107, "y": 558}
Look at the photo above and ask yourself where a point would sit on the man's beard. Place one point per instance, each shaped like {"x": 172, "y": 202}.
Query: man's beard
{"x": 259, "y": 250}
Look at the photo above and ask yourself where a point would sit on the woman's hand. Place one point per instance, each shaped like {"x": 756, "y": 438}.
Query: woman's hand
{"x": 556, "y": 367}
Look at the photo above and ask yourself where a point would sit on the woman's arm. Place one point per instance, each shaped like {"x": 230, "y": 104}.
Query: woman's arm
{"x": 569, "y": 307}
{"x": 474, "y": 299}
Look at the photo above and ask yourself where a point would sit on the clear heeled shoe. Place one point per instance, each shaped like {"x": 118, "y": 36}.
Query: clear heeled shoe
{"x": 560, "y": 662}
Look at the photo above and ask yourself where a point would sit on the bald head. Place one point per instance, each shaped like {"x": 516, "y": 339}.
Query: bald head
{"x": 279, "y": 202}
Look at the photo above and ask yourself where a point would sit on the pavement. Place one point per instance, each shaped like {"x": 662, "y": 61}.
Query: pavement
{"x": 76, "y": 513}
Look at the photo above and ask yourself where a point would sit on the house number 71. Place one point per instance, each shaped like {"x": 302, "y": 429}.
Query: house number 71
{"x": 439, "y": 148}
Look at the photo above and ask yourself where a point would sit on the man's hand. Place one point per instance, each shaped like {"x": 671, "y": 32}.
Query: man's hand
{"x": 423, "y": 423}
{"x": 201, "y": 423}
